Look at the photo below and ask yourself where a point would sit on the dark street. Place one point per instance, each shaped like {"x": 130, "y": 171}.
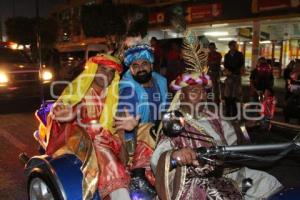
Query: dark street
{"x": 17, "y": 124}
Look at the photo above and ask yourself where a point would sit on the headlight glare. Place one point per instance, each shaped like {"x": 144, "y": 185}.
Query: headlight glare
{"x": 3, "y": 77}
{"x": 47, "y": 75}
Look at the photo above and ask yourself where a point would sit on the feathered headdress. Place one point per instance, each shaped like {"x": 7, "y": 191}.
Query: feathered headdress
{"x": 193, "y": 54}
{"x": 195, "y": 58}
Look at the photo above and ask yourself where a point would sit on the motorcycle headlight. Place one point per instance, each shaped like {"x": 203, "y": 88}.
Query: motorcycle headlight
{"x": 3, "y": 77}
{"x": 47, "y": 75}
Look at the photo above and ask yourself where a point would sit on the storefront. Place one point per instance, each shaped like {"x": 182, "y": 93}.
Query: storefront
{"x": 279, "y": 39}
{"x": 262, "y": 28}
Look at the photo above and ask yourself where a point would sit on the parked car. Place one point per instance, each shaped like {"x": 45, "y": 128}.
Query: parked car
{"x": 20, "y": 77}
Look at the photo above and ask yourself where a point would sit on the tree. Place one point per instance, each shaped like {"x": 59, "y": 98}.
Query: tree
{"x": 20, "y": 30}
{"x": 48, "y": 30}
{"x": 109, "y": 19}
{"x": 23, "y": 30}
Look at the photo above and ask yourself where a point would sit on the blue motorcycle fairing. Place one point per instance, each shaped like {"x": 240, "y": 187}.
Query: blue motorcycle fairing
{"x": 67, "y": 168}
{"x": 66, "y": 171}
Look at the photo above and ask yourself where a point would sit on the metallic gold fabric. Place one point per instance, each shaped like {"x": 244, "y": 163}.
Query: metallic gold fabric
{"x": 144, "y": 150}
{"x": 96, "y": 146}
{"x": 113, "y": 174}
{"x": 143, "y": 134}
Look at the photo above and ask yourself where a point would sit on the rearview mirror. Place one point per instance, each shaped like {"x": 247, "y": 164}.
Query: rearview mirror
{"x": 172, "y": 123}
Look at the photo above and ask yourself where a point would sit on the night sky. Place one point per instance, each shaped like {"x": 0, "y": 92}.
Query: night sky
{"x": 25, "y": 8}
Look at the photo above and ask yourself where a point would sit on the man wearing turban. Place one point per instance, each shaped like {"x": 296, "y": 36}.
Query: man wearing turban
{"x": 81, "y": 123}
{"x": 191, "y": 179}
{"x": 143, "y": 95}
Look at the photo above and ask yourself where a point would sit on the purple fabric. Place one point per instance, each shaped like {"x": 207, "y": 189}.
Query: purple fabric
{"x": 43, "y": 111}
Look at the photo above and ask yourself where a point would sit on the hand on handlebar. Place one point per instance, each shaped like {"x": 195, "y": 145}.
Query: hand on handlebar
{"x": 185, "y": 156}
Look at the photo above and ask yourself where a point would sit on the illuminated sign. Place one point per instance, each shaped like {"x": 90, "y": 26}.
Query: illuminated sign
{"x": 267, "y": 5}
{"x": 156, "y": 18}
{"x": 203, "y": 12}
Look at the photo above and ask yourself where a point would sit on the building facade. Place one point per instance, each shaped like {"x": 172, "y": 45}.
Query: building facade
{"x": 68, "y": 16}
{"x": 262, "y": 27}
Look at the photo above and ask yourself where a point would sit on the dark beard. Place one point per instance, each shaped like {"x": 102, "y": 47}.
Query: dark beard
{"x": 142, "y": 77}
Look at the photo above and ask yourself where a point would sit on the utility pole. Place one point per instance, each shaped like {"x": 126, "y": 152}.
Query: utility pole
{"x": 1, "y": 29}
{"x": 39, "y": 48}
{"x": 13, "y": 8}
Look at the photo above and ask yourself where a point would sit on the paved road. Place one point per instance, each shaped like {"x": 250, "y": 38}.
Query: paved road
{"x": 16, "y": 127}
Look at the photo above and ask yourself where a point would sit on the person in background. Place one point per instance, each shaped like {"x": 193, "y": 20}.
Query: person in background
{"x": 233, "y": 63}
{"x": 261, "y": 78}
{"x": 270, "y": 62}
{"x": 286, "y": 75}
{"x": 174, "y": 62}
{"x": 291, "y": 108}
{"x": 158, "y": 54}
{"x": 268, "y": 108}
{"x": 214, "y": 70}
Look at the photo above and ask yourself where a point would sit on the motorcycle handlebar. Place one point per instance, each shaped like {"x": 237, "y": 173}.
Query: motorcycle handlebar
{"x": 261, "y": 148}
{"x": 247, "y": 151}
{"x": 250, "y": 152}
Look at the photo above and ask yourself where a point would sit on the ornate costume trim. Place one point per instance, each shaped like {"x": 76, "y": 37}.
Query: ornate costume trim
{"x": 143, "y": 135}
{"x": 115, "y": 184}
{"x": 108, "y": 61}
{"x": 166, "y": 174}
{"x": 162, "y": 176}
{"x": 182, "y": 171}
{"x": 217, "y": 126}
{"x": 196, "y": 125}
{"x": 187, "y": 79}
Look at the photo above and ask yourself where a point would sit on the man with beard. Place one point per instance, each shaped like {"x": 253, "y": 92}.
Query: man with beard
{"x": 143, "y": 95}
